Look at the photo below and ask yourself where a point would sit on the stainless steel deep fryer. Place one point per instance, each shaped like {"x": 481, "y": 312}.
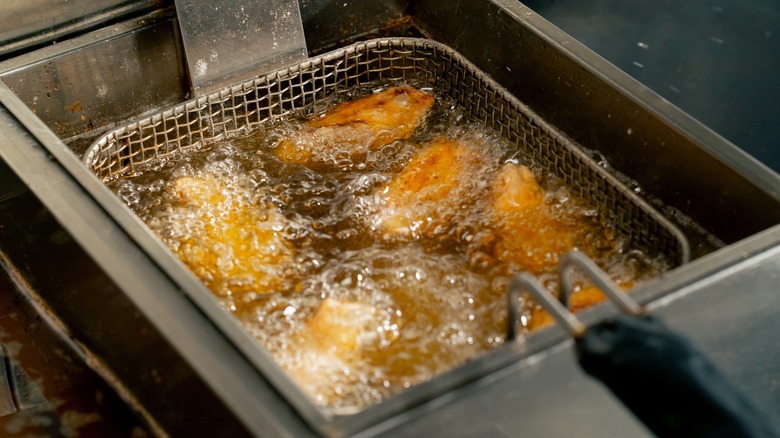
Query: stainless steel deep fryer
{"x": 182, "y": 361}
{"x": 244, "y": 107}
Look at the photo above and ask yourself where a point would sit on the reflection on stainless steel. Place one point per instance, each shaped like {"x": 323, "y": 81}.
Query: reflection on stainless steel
{"x": 232, "y": 40}
{"x": 51, "y": 389}
{"x": 329, "y": 23}
{"x": 25, "y": 23}
{"x": 17, "y": 391}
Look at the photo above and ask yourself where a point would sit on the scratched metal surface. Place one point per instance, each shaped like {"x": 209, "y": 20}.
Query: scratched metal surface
{"x": 45, "y": 387}
{"x": 716, "y": 59}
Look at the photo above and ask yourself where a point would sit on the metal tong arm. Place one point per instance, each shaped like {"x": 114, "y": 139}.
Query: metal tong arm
{"x": 560, "y": 309}
{"x": 525, "y": 281}
{"x": 576, "y": 259}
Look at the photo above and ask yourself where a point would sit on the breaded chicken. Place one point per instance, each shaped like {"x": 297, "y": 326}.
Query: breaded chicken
{"x": 340, "y": 327}
{"x": 515, "y": 189}
{"x": 426, "y": 184}
{"x": 330, "y": 342}
{"x": 233, "y": 247}
{"x": 530, "y": 234}
{"x": 357, "y": 126}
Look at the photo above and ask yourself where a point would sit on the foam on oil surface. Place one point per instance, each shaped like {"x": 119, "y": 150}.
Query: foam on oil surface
{"x": 431, "y": 300}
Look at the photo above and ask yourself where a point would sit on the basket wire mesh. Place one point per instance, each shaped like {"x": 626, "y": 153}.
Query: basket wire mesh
{"x": 242, "y": 108}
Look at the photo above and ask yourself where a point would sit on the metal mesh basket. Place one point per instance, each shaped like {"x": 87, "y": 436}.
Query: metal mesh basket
{"x": 240, "y": 109}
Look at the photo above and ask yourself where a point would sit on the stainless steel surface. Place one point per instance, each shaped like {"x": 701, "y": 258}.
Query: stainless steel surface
{"x": 17, "y": 391}
{"x": 7, "y": 405}
{"x": 161, "y": 346}
{"x": 52, "y": 385}
{"x": 107, "y": 76}
{"x": 329, "y": 23}
{"x": 671, "y": 156}
{"x": 27, "y": 23}
{"x": 232, "y": 40}
{"x": 139, "y": 66}
{"x": 11, "y": 373}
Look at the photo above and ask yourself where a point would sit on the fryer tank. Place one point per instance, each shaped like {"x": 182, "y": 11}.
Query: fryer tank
{"x": 163, "y": 349}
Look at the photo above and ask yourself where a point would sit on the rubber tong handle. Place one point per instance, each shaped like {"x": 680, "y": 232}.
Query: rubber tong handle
{"x": 671, "y": 386}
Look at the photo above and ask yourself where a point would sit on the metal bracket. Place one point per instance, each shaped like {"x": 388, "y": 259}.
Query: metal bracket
{"x": 230, "y": 41}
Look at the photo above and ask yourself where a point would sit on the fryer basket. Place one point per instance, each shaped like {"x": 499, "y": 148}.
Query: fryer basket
{"x": 240, "y": 109}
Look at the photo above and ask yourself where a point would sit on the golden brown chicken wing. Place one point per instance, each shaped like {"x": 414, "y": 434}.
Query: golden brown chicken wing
{"x": 330, "y": 342}
{"x": 340, "y": 327}
{"x": 421, "y": 192}
{"x": 579, "y": 300}
{"x": 515, "y": 189}
{"x": 233, "y": 247}
{"x": 531, "y": 235}
{"x": 357, "y": 126}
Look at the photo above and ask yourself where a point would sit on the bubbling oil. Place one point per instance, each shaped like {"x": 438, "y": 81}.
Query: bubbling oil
{"x": 278, "y": 241}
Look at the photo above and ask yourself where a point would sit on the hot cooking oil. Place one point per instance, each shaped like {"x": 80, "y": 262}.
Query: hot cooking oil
{"x": 354, "y": 303}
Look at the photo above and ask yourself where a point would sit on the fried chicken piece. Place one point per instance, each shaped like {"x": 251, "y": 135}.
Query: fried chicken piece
{"x": 331, "y": 341}
{"x": 533, "y": 237}
{"x": 418, "y": 193}
{"x": 233, "y": 247}
{"x": 516, "y": 189}
{"x": 340, "y": 327}
{"x": 357, "y": 126}
{"x": 539, "y": 318}
{"x": 198, "y": 192}
{"x": 530, "y": 234}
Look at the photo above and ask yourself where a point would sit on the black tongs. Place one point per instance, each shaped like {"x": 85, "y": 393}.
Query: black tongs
{"x": 671, "y": 386}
